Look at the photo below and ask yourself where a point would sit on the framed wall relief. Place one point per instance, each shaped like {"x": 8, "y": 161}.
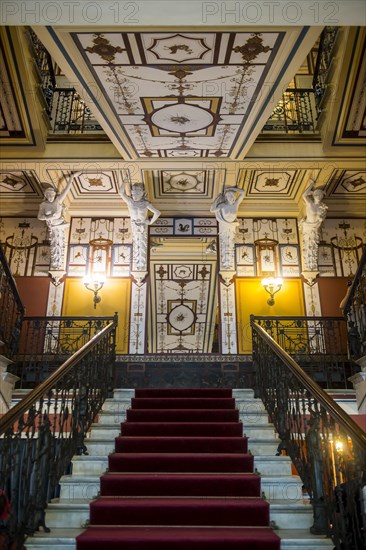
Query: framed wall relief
{"x": 245, "y": 260}
{"x": 289, "y": 260}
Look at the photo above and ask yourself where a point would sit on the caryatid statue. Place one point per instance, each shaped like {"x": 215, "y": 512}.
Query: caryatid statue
{"x": 51, "y": 210}
{"x": 315, "y": 213}
{"x": 139, "y": 208}
{"x": 225, "y": 209}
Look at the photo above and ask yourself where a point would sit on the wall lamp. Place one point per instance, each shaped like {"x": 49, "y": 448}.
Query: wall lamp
{"x": 272, "y": 286}
{"x": 95, "y": 284}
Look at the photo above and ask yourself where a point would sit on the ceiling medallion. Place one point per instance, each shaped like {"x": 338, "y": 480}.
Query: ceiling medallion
{"x": 181, "y": 318}
{"x": 182, "y": 118}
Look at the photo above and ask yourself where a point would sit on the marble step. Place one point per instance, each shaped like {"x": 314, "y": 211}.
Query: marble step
{"x": 102, "y": 430}
{"x": 273, "y": 465}
{"x": 291, "y": 515}
{"x": 243, "y": 392}
{"x": 286, "y": 488}
{"x": 121, "y": 393}
{"x": 263, "y": 446}
{"x": 89, "y": 465}
{"x": 302, "y": 539}
{"x": 252, "y": 415}
{"x": 117, "y": 406}
{"x": 266, "y": 465}
{"x": 249, "y": 405}
{"x": 57, "y": 539}
{"x": 248, "y": 419}
{"x": 291, "y": 539}
{"x": 260, "y": 431}
{"x": 98, "y": 446}
{"x": 105, "y": 431}
{"x": 108, "y": 418}
{"x": 286, "y": 515}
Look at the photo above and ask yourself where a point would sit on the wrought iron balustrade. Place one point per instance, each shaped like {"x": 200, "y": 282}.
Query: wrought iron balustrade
{"x": 45, "y": 342}
{"x": 323, "y": 63}
{"x": 11, "y": 309}
{"x": 294, "y": 113}
{"x": 326, "y": 446}
{"x": 355, "y": 312}
{"x": 318, "y": 344}
{"x": 44, "y": 64}
{"x": 40, "y": 434}
{"x": 70, "y": 115}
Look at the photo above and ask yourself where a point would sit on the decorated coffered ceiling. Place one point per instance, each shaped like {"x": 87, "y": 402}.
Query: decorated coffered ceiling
{"x": 180, "y": 95}
{"x": 184, "y": 192}
{"x": 183, "y": 108}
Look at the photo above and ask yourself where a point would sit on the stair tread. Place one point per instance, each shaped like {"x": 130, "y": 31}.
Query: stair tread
{"x": 187, "y": 534}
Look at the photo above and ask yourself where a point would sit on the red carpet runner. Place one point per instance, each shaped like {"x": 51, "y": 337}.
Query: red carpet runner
{"x": 180, "y": 479}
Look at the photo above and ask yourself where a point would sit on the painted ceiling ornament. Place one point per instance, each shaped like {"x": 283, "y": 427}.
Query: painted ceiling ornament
{"x": 13, "y": 182}
{"x": 271, "y": 182}
{"x": 252, "y": 48}
{"x": 179, "y": 48}
{"x": 104, "y": 48}
{"x": 95, "y": 182}
{"x": 316, "y": 212}
{"x": 225, "y": 208}
{"x": 183, "y": 182}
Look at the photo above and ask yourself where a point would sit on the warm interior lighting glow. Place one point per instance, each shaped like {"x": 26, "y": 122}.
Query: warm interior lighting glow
{"x": 339, "y": 446}
{"x": 272, "y": 285}
{"x": 95, "y": 284}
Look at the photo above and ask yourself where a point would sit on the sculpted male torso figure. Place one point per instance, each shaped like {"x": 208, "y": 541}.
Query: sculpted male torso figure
{"x": 226, "y": 205}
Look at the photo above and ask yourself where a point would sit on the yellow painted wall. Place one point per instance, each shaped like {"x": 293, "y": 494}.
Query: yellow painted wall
{"x": 251, "y": 299}
{"x": 115, "y": 298}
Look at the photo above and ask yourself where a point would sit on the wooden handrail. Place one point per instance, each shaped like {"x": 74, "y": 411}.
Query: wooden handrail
{"x": 335, "y": 411}
{"x": 23, "y": 406}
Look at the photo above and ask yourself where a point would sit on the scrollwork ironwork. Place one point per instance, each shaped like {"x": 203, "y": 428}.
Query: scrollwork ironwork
{"x": 294, "y": 113}
{"x": 355, "y": 312}
{"x": 45, "y": 342}
{"x": 11, "y": 309}
{"x": 325, "y": 445}
{"x": 40, "y": 435}
{"x": 319, "y": 345}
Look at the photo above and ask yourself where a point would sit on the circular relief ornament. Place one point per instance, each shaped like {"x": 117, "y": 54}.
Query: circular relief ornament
{"x": 181, "y": 317}
{"x": 181, "y": 118}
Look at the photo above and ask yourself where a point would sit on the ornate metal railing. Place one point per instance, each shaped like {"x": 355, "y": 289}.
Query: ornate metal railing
{"x": 318, "y": 344}
{"x": 71, "y": 116}
{"x": 11, "y": 309}
{"x": 323, "y": 63}
{"x": 44, "y": 64}
{"x": 41, "y": 434}
{"x": 325, "y": 444}
{"x": 66, "y": 110}
{"x": 355, "y": 312}
{"x": 45, "y": 342}
{"x": 294, "y": 113}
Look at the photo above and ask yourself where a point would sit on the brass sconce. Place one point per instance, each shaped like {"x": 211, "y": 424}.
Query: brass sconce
{"x": 272, "y": 286}
{"x": 95, "y": 284}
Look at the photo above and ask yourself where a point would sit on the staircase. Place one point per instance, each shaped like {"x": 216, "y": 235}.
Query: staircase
{"x": 290, "y": 511}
